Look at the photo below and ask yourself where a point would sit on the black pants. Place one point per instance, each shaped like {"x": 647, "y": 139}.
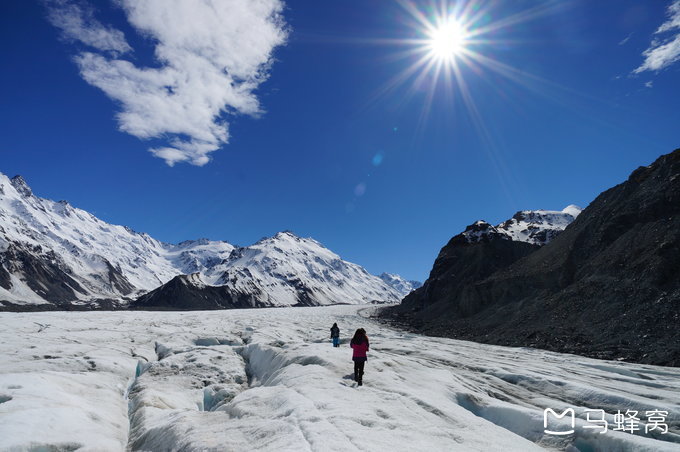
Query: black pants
{"x": 359, "y": 370}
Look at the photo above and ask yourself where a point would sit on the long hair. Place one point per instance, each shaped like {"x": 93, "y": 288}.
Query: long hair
{"x": 359, "y": 336}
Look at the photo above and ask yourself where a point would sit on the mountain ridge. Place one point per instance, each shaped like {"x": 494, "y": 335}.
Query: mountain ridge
{"x": 53, "y": 254}
{"x": 282, "y": 270}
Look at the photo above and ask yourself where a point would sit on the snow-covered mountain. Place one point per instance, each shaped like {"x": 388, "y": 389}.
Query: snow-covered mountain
{"x": 283, "y": 270}
{"x": 400, "y": 284}
{"x": 54, "y": 253}
{"x": 537, "y": 227}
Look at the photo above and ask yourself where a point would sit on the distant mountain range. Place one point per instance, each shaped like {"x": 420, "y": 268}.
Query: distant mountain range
{"x": 283, "y": 270}
{"x": 56, "y": 256}
{"x": 607, "y": 287}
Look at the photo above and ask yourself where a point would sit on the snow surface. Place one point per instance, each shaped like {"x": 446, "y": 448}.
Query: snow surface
{"x": 537, "y": 227}
{"x": 269, "y": 379}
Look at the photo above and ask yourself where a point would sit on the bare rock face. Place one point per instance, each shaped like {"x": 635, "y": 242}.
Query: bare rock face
{"x": 608, "y": 286}
{"x": 460, "y": 265}
{"x": 477, "y": 253}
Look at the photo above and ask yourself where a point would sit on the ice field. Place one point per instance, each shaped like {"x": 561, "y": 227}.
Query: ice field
{"x": 269, "y": 379}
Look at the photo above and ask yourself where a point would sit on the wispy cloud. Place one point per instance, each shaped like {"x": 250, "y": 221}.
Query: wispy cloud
{"x": 77, "y": 23}
{"x": 649, "y": 84}
{"x": 664, "y": 49}
{"x": 626, "y": 39}
{"x": 211, "y": 54}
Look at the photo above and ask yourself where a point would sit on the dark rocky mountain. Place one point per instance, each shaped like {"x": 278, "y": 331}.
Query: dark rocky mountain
{"x": 478, "y": 252}
{"x": 460, "y": 265}
{"x": 189, "y": 292}
{"x": 607, "y": 287}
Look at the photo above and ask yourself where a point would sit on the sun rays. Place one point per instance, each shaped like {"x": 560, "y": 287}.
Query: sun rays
{"x": 451, "y": 47}
{"x": 453, "y": 41}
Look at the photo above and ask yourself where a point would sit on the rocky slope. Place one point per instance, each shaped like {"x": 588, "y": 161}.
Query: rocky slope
{"x": 608, "y": 286}
{"x": 477, "y": 253}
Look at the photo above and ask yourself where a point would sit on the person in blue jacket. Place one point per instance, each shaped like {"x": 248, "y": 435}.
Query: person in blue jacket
{"x": 335, "y": 335}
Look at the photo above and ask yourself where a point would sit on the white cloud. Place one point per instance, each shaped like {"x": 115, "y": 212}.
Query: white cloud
{"x": 170, "y": 155}
{"x": 213, "y": 54}
{"x": 664, "y": 51}
{"x": 649, "y": 84}
{"x": 77, "y": 23}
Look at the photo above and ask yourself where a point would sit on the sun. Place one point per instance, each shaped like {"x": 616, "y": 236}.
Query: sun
{"x": 448, "y": 40}
{"x": 448, "y": 45}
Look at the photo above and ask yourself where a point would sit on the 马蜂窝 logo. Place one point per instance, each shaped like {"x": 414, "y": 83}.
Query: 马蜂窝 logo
{"x": 629, "y": 421}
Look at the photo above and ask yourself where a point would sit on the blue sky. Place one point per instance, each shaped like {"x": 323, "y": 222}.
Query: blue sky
{"x": 306, "y": 128}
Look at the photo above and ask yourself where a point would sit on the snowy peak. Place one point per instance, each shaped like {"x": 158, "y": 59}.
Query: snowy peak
{"x": 400, "y": 284}
{"x": 283, "y": 270}
{"x": 287, "y": 240}
{"x": 537, "y": 227}
{"x": 21, "y": 186}
{"x": 54, "y": 253}
{"x": 192, "y": 256}
{"x": 286, "y": 235}
{"x": 287, "y": 270}
{"x": 481, "y": 231}
{"x": 573, "y": 210}
{"x": 277, "y": 253}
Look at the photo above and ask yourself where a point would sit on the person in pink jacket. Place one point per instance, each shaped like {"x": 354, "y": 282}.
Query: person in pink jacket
{"x": 359, "y": 344}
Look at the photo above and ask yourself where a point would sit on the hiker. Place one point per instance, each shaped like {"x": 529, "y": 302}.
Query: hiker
{"x": 359, "y": 344}
{"x": 335, "y": 335}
